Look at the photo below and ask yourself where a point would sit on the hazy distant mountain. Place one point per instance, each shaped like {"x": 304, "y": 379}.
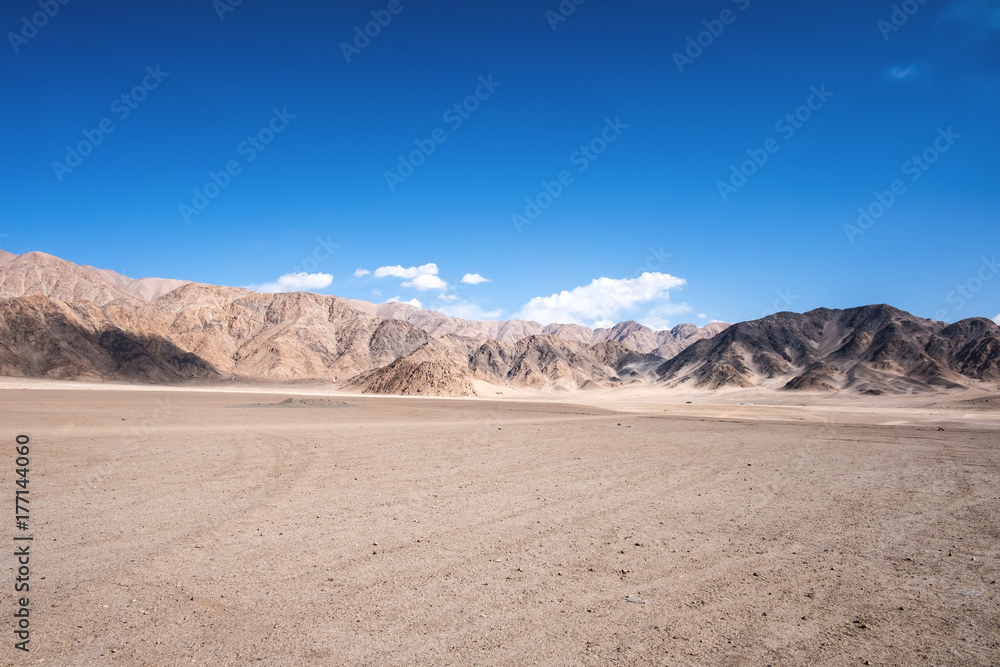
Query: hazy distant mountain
{"x": 632, "y": 334}
{"x": 876, "y": 349}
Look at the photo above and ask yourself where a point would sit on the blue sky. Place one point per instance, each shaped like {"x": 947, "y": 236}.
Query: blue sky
{"x": 664, "y": 162}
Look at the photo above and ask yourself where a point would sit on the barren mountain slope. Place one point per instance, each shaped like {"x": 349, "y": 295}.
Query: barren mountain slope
{"x": 676, "y": 340}
{"x": 876, "y": 349}
{"x": 438, "y": 368}
{"x": 632, "y": 334}
{"x": 147, "y": 289}
{"x": 445, "y": 366}
{"x": 437, "y": 324}
{"x": 240, "y": 334}
{"x": 41, "y": 337}
{"x": 40, "y": 273}
{"x": 628, "y": 364}
{"x": 546, "y": 361}
{"x": 288, "y": 336}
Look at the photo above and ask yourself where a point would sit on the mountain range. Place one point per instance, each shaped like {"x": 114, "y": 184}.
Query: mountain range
{"x": 66, "y": 321}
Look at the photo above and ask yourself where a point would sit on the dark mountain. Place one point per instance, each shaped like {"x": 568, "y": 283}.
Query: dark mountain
{"x": 875, "y": 349}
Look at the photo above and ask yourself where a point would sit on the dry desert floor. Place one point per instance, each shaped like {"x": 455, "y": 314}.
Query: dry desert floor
{"x": 214, "y": 527}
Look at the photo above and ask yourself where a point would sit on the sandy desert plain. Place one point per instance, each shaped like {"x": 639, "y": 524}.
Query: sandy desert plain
{"x": 221, "y": 526}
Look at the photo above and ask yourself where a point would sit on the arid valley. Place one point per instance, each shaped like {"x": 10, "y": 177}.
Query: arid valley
{"x": 548, "y": 332}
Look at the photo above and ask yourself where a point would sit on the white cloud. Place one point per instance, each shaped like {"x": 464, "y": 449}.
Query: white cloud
{"x": 410, "y": 273}
{"x": 421, "y": 278}
{"x": 903, "y": 73}
{"x": 702, "y": 316}
{"x": 997, "y": 319}
{"x": 474, "y": 279}
{"x": 412, "y": 302}
{"x": 448, "y": 297}
{"x": 295, "y": 282}
{"x": 377, "y": 292}
{"x": 361, "y": 273}
{"x": 605, "y": 300}
{"x": 425, "y": 282}
{"x": 470, "y": 311}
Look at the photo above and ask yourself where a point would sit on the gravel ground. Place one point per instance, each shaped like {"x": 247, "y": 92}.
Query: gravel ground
{"x": 177, "y": 527}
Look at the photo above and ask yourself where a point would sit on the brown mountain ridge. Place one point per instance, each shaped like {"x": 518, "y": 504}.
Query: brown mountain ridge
{"x": 64, "y": 321}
